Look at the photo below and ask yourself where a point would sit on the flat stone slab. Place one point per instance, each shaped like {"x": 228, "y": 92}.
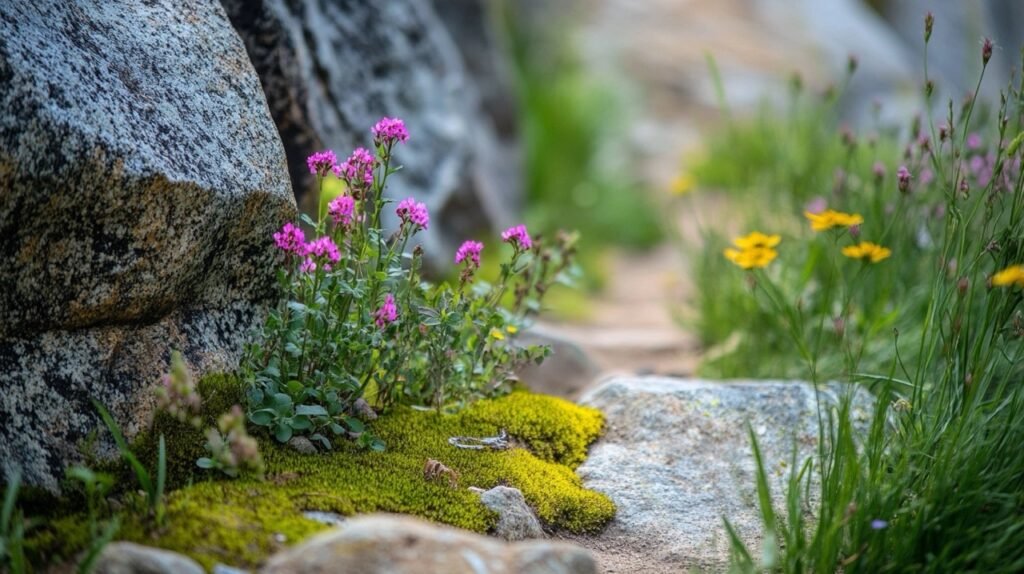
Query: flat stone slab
{"x": 676, "y": 459}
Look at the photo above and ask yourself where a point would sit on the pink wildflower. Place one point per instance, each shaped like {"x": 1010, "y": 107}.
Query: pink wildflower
{"x": 879, "y": 170}
{"x": 387, "y": 313}
{"x": 358, "y": 168}
{"x": 324, "y": 248}
{"x": 321, "y": 162}
{"x": 290, "y": 239}
{"x": 413, "y": 211}
{"x": 816, "y": 205}
{"x": 518, "y": 237}
{"x": 469, "y": 251}
{"x": 903, "y": 179}
{"x": 341, "y": 209}
{"x": 389, "y": 130}
{"x": 308, "y": 265}
{"x": 973, "y": 141}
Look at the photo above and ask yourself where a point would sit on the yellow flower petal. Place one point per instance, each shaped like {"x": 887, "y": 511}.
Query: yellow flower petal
{"x": 683, "y": 184}
{"x": 754, "y": 258}
{"x": 496, "y": 334}
{"x": 1012, "y": 275}
{"x": 867, "y": 251}
{"x": 756, "y": 239}
{"x": 830, "y": 218}
{"x": 512, "y": 329}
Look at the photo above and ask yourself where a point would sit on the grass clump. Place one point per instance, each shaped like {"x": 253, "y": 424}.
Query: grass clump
{"x": 242, "y": 521}
{"x": 903, "y": 273}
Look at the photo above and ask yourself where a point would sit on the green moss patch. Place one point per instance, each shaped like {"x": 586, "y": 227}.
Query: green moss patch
{"x": 241, "y": 522}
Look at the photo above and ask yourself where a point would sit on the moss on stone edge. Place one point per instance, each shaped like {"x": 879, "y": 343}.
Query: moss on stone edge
{"x": 241, "y": 522}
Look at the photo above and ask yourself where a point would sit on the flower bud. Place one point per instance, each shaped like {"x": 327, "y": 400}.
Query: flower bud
{"x": 986, "y": 51}
{"x": 963, "y": 285}
{"x": 929, "y": 23}
{"x": 851, "y": 63}
{"x": 879, "y": 170}
{"x": 903, "y": 179}
{"x": 839, "y": 325}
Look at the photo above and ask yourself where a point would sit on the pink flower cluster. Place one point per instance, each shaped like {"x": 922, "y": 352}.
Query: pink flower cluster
{"x": 412, "y": 211}
{"x": 358, "y": 168}
{"x": 387, "y": 313}
{"x": 342, "y": 209}
{"x": 291, "y": 239}
{"x": 469, "y": 251}
{"x": 389, "y": 130}
{"x": 322, "y": 162}
{"x": 518, "y": 237}
{"x": 324, "y": 248}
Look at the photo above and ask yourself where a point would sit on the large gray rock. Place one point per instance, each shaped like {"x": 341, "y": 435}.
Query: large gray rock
{"x": 131, "y": 558}
{"x": 676, "y": 459}
{"x": 141, "y": 177}
{"x": 331, "y": 68}
{"x": 391, "y": 544}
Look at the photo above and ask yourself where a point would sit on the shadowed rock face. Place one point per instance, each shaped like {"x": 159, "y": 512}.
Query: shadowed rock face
{"x": 331, "y": 68}
{"x": 141, "y": 177}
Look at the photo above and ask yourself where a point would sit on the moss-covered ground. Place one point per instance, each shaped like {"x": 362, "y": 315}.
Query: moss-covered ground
{"x": 240, "y": 522}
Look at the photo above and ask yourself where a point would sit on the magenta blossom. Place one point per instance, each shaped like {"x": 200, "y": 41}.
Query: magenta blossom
{"x": 358, "y": 168}
{"x": 341, "y": 209}
{"x": 387, "y": 313}
{"x": 973, "y": 141}
{"x": 322, "y": 162}
{"x": 324, "y": 248}
{"x": 879, "y": 170}
{"x": 469, "y": 251}
{"x": 308, "y": 265}
{"x": 518, "y": 237}
{"x": 903, "y": 178}
{"x": 290, "y": 239}
{"x": 389, "y": 130}
{"x": 413, "y": 211}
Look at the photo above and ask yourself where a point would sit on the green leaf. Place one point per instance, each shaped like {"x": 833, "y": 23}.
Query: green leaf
{"x": 140, "y": 471}
{"x": 322, "y": 440}
{"x": 282, "y": 403}
{"x": 311, "y": 410}
{"x": 295, "y": 387}
{"x": 10, "y": 496}
{"x": 283, "y": 433}
{"x": 262, "y": 417}
{"x": 354, "y": 424}
{"x": 301, "y": 423}
{"x": 205, "y": 462}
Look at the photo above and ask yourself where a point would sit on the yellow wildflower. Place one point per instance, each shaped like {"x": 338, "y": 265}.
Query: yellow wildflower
{"x": 496, "y": 334}
{"x": 756, "y": 239}
{"x": 830, "y": 218}
{"x": 512, "y": 329}
{"x": 754, "y": 258}
{"x": 683, "y": 184}
{"x": 1012, "y": 275}
{"x": 867, "y": 251}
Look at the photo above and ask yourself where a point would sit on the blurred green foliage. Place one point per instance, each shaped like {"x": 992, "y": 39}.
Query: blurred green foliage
{"x": 577, "y": 173}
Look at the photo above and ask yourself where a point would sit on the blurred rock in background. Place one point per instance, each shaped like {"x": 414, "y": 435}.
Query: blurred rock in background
{"x": 331, "y": 68}
{"x": 657, "y": 53}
